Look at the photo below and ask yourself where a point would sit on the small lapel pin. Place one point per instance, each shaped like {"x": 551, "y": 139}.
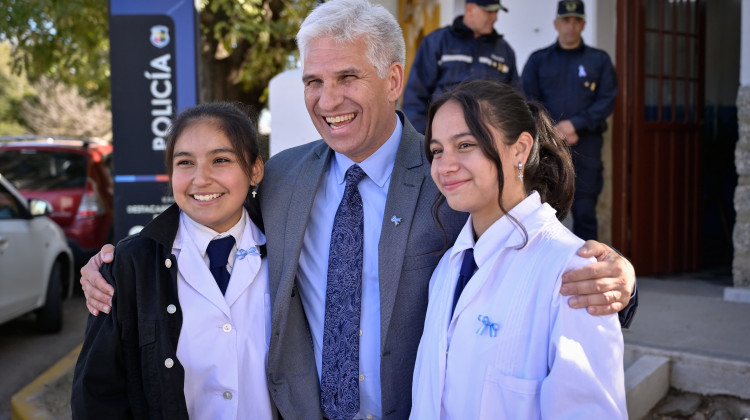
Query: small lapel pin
{"x": 242, "y": 253}
{"x": 396, "y": 220}
{"x": 487, "y": 324}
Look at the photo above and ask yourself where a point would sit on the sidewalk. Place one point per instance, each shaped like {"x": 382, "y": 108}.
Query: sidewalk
{"x": 688, "y": 314}
{"x": 685, "y": 336}
{"x": 684, "y": 332}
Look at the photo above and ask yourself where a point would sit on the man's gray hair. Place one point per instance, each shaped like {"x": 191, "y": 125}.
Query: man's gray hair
{"x": 346, "y": 21}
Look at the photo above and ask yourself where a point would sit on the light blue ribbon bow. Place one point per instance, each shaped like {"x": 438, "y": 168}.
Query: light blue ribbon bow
{"x": 242, "y": 253}
{"x": 486, "y": 323}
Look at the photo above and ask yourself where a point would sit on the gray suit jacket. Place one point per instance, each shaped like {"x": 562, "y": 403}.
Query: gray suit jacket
{"x": 408, "y": 253}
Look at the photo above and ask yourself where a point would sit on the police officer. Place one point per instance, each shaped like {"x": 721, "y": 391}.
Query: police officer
{"x": 468, "y": 49}
{"x": 577, "y": 83}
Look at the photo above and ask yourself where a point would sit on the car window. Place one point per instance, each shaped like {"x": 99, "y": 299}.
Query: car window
{"x": 9, "y": 206}
{"x": 43, "y": 170}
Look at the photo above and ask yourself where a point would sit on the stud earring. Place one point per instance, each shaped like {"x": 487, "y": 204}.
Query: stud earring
{"x": 520, "y": 171}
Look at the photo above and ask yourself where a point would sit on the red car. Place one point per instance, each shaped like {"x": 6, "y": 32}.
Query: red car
{"x": 74, "y": 176}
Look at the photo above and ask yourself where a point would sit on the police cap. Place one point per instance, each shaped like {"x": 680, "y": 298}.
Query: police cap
{"x": 570, "y": 8}
{"x": 489, "y": 5}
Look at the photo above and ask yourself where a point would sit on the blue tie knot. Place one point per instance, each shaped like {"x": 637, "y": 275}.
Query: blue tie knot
{"x": 218, "y": 251}
{"x": 218, "y": 257}
{"x": 353, "y": 175}
{"x": 468, "y": 265}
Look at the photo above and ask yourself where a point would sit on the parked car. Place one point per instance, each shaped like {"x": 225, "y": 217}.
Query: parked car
{"x": 36, "y": 263}
{"x": 74, "y": 176}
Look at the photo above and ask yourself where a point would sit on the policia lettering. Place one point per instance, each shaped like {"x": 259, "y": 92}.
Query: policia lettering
{"x": 161, "y": 92}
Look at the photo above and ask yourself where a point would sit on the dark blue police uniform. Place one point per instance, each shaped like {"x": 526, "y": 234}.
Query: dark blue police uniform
{"x": 579, "y": 85}
{"x": 449, "y": 56}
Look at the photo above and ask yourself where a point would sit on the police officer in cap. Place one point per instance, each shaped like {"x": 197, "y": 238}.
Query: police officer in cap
{"x": 578, "y": 85}
{"x": 468, "y": 49}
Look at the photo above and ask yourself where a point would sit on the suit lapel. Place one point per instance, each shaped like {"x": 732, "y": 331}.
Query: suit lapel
{"x": 403, "y": 195}
{"x": 303, "y": 195}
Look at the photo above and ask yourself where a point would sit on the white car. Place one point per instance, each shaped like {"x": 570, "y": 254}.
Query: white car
{"x": 36, "y": 264}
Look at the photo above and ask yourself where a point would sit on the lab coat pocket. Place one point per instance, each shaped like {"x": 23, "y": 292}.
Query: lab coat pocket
{"x": 509, "y": 397}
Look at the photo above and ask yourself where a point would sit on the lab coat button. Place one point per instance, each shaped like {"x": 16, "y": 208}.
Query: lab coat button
{"x": 227, "y": 395}
{"x": 171, "y": 309}
{"x": 169, "y": 363}
{"x": 168, "y": 263}
{"x": 227, "y": 327}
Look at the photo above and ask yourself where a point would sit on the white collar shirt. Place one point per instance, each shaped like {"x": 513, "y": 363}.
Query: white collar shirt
{"x": 513, "y": 348}
{"x": 312, "y": 275}
{"x": 224, "y": 339}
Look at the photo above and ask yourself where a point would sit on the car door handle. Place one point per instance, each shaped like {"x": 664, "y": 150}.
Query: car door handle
{"x": 3, "y": 242}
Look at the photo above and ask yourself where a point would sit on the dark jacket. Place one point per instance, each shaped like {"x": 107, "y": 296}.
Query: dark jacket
{"x": 449, "y": 56}
{"x": 579, "y": 85}
{"x": 124, "y": 369}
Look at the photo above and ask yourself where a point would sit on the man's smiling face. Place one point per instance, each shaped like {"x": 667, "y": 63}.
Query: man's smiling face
{"x": 352, "y": 108}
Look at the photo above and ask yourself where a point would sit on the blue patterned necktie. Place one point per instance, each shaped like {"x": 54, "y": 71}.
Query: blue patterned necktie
{"x": 339, "y": 381}
{"x": 218, "y": 257}
{"x": 468, "y": 266}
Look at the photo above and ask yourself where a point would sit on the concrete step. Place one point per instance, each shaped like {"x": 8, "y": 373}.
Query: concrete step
{"x": 646, "y": 383}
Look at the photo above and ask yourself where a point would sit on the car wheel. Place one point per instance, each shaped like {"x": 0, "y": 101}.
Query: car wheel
{"x": 49, "y": 316}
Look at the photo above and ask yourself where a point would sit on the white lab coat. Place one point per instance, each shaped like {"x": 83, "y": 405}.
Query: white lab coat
{"x": 223, "y": 343}
{"x": 514, "y": 349}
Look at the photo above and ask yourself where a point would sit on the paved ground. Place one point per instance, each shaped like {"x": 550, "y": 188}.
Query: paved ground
{"x": 687, "y": 314}
{"x": 679, "y": 405}
{"x": 26, "y": 354}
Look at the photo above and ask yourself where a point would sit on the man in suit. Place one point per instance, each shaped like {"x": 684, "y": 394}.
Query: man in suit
{"x": 353, "y": 59}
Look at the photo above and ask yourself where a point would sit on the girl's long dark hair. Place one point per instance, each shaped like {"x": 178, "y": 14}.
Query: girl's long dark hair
{"x": 548, "y": 169}
{"x": 232, "y": 119}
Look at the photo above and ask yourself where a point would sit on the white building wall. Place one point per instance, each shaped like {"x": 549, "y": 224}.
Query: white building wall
{"x": 528, "y": 26}
{"x": 290, "y": 122}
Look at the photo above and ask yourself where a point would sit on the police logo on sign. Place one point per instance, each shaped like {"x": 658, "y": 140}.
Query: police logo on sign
{"x": 159, "y": 36}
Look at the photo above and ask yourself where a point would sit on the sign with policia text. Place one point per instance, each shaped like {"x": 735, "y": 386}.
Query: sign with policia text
{"x": 154, "y": 59}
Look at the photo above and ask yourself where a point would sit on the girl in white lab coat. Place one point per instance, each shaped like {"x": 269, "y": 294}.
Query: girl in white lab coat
{"x": 188, "y": 332}
{"x": 499, "y": 341}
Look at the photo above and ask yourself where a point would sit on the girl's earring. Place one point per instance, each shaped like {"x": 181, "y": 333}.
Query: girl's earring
{"x": 255, "y": 191}
{"x": 520, "y": 171}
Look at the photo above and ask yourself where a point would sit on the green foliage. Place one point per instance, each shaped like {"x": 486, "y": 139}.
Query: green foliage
{"x": 65, "y": 41}
{"x": 13, "y": 90}
{"x": 247, "y": 42}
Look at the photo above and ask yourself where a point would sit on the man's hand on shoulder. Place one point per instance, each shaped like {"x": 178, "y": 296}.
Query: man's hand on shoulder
{"x": 97, "y": 291}
{"x": 604, "y": 287}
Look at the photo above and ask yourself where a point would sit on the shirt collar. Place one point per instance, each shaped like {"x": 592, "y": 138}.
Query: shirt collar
{"x": 377, "y": 166}
{"x": 202, "y": 235}
{"x": 503, "y": 233}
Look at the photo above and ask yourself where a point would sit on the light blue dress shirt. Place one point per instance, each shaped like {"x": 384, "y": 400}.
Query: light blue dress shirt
{"x": 313, "y": 264}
